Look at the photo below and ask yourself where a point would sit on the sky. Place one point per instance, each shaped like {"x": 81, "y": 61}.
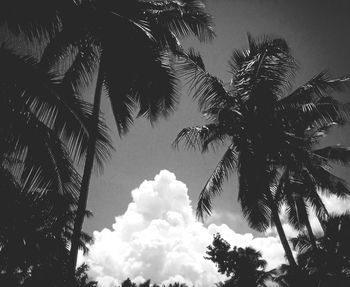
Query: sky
{"x": 318, "y": 33}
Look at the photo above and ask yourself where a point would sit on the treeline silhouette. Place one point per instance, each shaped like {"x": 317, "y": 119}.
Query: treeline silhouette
{"x": 52, "y": 138}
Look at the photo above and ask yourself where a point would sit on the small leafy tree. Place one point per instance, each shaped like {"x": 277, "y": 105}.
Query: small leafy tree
{"x": 243, "y": 266}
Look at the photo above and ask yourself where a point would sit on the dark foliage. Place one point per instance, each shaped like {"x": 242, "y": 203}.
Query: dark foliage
{"x": 243, "y": 266}
{"x": 254, "y": 115}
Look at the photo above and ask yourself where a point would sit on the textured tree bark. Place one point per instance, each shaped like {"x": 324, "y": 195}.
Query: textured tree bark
{"x": 89, "y": 162}
{"x": 309, "y": 231}
{"x": 281, "y": 234}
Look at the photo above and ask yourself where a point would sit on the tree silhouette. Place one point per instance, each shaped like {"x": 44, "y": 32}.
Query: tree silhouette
{"x": 127, "y": 45}
{"x": 243, "y": 266}
{"x": 301, "y": 182}
{"x": 82, "y": 278}
{"x": 41, "y": 119}
{"x": 34, "y": 237}
{"x": 257, "y": 119}
{"x": 133, "y": 67}
{"x": 36, "y": 19}
{"x": 329, "y": 264}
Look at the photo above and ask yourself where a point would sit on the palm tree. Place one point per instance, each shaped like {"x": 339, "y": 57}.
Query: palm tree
{"x": 310, "y": 173}
{"x": 133, "y": 67}
{"x": 299, "y": 190}
{"x": 145, "y": 31}
{"x": 35, "y": 19}
{"x": 35, "y": 116}
{"x": 285, "y": 276}
{"x": 244, "y": 266}
{"x": 330, "y": 263}
{"x": 34, "y": 236}
{"x": 256, "y": 117}
{"x": 40, "y": 119}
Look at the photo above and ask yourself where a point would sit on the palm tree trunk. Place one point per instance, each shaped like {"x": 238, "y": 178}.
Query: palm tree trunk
{"x": 84, "y": 189}
{"x": 281, "y": 234}
{"x": 321, "y": 221}
{"x": 309, "y": 231}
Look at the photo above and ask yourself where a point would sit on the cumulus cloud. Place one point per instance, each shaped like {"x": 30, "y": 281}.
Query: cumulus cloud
{"x": 159, "y": 238}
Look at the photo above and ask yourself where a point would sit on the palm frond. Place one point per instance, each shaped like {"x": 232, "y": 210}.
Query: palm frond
{"x": 335, "y": 154}
{"x": 103, "y": 148}
{"x": 80, "y": 73}
{"x": 35, "y": 19}
{"x": 301, "y": 242}
{"x": 312, "y": 105}
{"x": 46, "y": 164}
{"x": 316, "y": 203}
{"x": 121, "y": 99}
{"x": 278, "y": 188}
{"x": 213, "y": 186}
{"x": 60, "y": 50}
{"x": 314, "y": 115}
{"x": 208, "y": 89}
{"x": 45, "y": 96}
{"x": 200, "y": 137}
{"x": 156, "y": 89}
{"x": 296, "y": 209}
{"x": 183, "y": 18}
{"x": 320, "y": 86}
{"x": 262, "y": 72}
{"x": 254, "y": 203}
{"x": 132, "y": 83}
{"x": 329, "y": 183}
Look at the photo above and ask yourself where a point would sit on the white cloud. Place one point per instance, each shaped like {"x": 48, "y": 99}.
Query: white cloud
{"x": 335, "y": 204}
{"x": 159, "y": 238}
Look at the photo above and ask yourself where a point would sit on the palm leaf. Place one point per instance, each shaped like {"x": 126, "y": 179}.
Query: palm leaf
{"x": 155, "y": 90}
{"x": 318, "y": 87}
{"x": 39, "y": 88}
{"x": 336, "y": 154}
{"x": 329, "y": 183}
{"x": 208, "y": 89}
{"x": 183, "y": 18}
{"x": 200, "y": 137}
{"x": 252, "y": 195}
{"x": 301, "y": 242}
{"x": 263, "y": 71}
{"x": 213, "y": 186}
{"x": 36, "y": 19}
{"x": 80, "y": 73}
{"x": 316, "y": 202}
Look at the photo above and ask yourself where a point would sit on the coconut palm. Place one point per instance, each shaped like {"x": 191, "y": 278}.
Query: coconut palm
{"x": 34, "y": 238}
{"x": 243, "y": 266}
{"x": 41, "y": 119}
{"x": 330, "y": 263}
{"x": 299, "y": 188}
{"x": 126, "y": 44}
{"x": 285, "y": 276}
{"x": 310, "y": 172}
{"x": 35, "y": 19}
{"x": 256, "y": 116}
{"x": 132, "y": 66}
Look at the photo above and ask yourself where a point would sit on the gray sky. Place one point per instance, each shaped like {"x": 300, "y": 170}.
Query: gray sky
{"x": 318, "y": 33}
